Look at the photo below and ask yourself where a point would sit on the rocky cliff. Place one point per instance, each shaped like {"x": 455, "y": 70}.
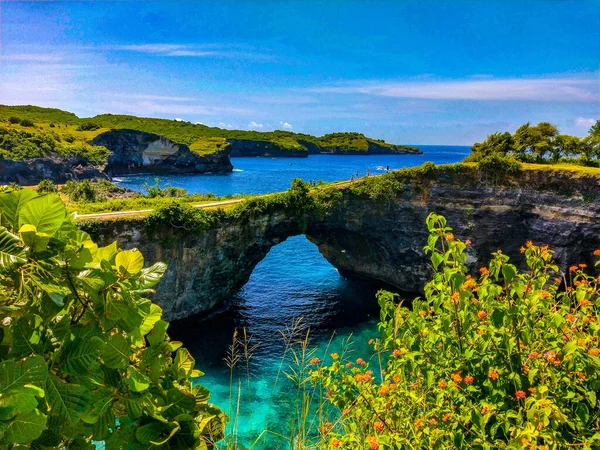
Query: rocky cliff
{"x": 248, "y": 147}
{"x": 377, "y": 237}
{"x": 53, "y": 166}
{"x": 140, "y": 152}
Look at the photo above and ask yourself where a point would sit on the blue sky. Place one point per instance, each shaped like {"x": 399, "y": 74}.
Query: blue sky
{"x": 421, "y": 72}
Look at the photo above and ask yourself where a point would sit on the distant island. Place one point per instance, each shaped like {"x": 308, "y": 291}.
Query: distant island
{"x": 45, "y": 143}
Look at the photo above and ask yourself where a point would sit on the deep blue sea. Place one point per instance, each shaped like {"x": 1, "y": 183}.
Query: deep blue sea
{"x": 293, "y": 281}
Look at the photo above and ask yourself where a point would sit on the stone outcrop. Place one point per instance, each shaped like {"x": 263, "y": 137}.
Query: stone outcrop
{"x": 140, "y": 152}
{"x": 247, "y": 147}
{"x": 53, "y": 166}
{"x": 374, "y": 239}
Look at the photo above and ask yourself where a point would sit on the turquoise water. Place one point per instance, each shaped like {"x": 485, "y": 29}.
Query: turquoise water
{"x": 293, "y": 281}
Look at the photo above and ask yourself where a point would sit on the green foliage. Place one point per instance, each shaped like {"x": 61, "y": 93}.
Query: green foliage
{"x": 541, "y": 143}
{"x": 47, "y": 186}
{"x": 88, "y": 126}
{"x": 83, "y": 354}
{"x": 504, "y": 359}
{"x": 17, "y": 144}
{"x": 168, "y": 191}
{"x": 498, "y": 166}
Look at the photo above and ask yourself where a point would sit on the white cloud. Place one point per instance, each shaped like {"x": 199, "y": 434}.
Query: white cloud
{"x": 255, "y": 126}
{"x": 224, "y": 125}
{"x": 193, "y": 50}
{"x": 32, "y": 57}
{"x": 199, "y": 123}
{"x": 286, "y": 125}
{"x": 574, "y": 90}
{"x": 583, "y": 122}
{"x": 177, "y": 119}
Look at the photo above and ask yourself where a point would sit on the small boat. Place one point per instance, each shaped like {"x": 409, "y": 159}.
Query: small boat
{"x": 381, "y": 168}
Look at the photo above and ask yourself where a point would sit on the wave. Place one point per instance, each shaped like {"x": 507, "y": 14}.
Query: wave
{"x": 237, "y": 170}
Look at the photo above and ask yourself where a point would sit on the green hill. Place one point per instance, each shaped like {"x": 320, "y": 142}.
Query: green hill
{"x": 32, "y": 131}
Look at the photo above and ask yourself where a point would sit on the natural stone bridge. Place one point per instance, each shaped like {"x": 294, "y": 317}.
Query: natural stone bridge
{"x": 376, "y": 237}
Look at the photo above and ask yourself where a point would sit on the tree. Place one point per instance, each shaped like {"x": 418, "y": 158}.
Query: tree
{"x": 83, "y": 354}
{"x": 496, "y": 143}
{"x": 535, "y": 142}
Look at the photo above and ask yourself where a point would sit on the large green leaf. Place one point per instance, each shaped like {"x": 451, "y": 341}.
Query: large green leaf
{"x": 65, "y": 401}
{"x": 151, "y": 275}
{"x": 11, "y": 203}
{"x": 47, "y": 213}
{"x": 81, "y": 355}
{"x": 116, "y": 352}
{"x": 14, "y": 376}
{"x": 25, "y": 428}
{"x": 183, "y": 363}
{"x": 129, "y": 262}
{"x": 11, "y": 254}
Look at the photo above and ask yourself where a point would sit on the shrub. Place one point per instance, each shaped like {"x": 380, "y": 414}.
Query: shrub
{"x": 14, "y": 120}
{"x": 47, "y": 186}
{"x": 26, "y": 123}
{"x": 502, "y": 359}
{"x": 80, "y": 191}
{"x": 88, "y": 126}
{"x": 498, "y": 165}
{"x": 83, "y": 355}
{"x": 168, "y": 191}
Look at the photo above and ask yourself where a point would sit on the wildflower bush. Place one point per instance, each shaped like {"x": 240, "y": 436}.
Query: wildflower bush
{"x": 498, "y": 359}
{"x": 84, "y": 355}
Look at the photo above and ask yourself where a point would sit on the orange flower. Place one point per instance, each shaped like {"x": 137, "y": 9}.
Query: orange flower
{"x": 482, "y": 315}
{"x": 469, "y": 379}
{"x": 445, "y": 417}
{"x": 383, "y": 391}
{"x": 520, "y": 395}
{"x": 594, "y": 351}
{"x": 378, "y": 426}
{"x": 479, "y": 332}
{"x": 371, "y": 341}
{"x": 484, "y": 271}
{"x": 522, "y": 249}
{"x": 418, "y": 422}
{"x": 314, "y": 361}
{"x": 455, "y": 298}
{"x": 597, "y": 252}
{"x": 580, "y": 375}
{"x": 442, "y": 384}
{"x": 335, "y": 442}
{"x": 348, "y": 365}
{"x": 570, "y": 317}
{"x": 373, "y": 444}
{"x": 544, "y": 294}
{"x": 422, "y": 313}
{"x": 450, "y": 237}
{"x": 468, "y": 242}
{"x": 585, "y": 302}
{"x": 582, "y": 266}
{"x": 432, "y": 421}
{"x": 361, "y": 362}
{"x": 335, "y": 356}
{"x": 493, "y": 374}
{"x": 531, "y": 390}
{"x": 529, "y": 244}
{"x": 456, "y": 377}
{"x": 396, "y": 353}
{"x": 573, "y": 268}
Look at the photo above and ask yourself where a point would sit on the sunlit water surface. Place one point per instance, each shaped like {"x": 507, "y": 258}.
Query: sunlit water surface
{"x": 293, "y": 281}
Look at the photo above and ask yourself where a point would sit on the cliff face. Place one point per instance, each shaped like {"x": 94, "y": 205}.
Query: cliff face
{"x": 55, "y": 167}
{"x": 370, "y": 239}
{"x": 247, "y": 147}
{"x": 139, "y": 152}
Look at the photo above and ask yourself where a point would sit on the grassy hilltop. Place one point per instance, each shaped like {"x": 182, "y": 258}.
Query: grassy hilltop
{"x": 32, "y": 131}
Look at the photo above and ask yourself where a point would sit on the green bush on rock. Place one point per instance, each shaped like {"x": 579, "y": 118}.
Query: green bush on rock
{"x": 83, "y": 354}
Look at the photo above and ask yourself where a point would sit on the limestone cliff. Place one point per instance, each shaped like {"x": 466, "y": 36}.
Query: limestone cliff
{"x": 140, "y": 152}
{"x": 374, "y": 237}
